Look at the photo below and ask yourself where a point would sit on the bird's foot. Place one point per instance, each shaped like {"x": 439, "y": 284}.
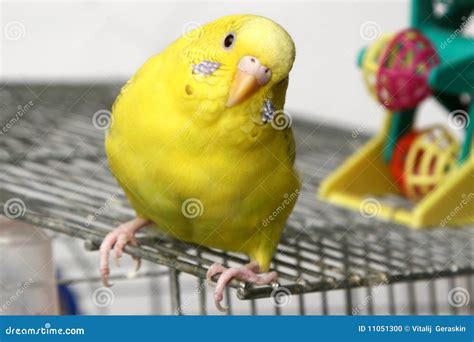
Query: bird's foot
{"x": 249, "y": 273}
{"x": 116, "y": 240}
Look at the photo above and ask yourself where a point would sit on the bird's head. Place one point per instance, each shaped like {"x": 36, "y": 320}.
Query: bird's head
{"x": 237, "y": 62}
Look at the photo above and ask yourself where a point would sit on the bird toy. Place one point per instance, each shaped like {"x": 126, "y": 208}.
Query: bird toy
{"x": 404, "y": 66}
{"x": 422, "y": 160}
{"x": 370, "y": 63}
{"x": 428, "y": 166}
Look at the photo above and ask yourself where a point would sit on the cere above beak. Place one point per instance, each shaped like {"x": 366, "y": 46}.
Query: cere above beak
{"x": 250, "y": 76}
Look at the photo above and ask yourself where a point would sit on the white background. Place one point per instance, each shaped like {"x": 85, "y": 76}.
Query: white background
{"x": 104, "y": 41}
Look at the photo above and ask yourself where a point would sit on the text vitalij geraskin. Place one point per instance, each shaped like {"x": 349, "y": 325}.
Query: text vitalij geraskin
{"x": 438, "y": 328}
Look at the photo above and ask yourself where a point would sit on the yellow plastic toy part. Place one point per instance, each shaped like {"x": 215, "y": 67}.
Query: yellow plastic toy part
{"x": 370, "y": 62}
{"x": 431, "y": 157}
{"x": 365, "y": 175}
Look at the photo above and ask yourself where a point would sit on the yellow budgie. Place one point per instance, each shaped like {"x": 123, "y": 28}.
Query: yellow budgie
{"x": 198, "y": 145}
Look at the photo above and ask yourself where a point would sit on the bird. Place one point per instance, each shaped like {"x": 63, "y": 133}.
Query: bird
{"x": 203, "y": 148}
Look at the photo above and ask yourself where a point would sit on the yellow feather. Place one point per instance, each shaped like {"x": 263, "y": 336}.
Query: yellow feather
{"x": 174, "y": 141}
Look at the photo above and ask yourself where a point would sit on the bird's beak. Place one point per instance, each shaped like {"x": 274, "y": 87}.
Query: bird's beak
{"x": 251, "y": 75}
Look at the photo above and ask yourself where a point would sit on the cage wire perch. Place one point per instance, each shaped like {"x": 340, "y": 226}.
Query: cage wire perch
{"x": 53, "y": 166}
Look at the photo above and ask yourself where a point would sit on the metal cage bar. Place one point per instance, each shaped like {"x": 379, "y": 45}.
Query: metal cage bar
{"x": 52, "y": 160}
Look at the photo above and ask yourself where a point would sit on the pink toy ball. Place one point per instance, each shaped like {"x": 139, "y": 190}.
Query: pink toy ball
{"x": 402, "y": 78}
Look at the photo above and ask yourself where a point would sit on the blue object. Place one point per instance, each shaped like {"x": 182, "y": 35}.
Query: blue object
{"x": 242, "y": 328}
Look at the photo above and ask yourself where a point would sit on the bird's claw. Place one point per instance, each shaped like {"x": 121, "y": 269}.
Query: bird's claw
{"x": 248, "y": 273}
{"x": 117, "y": 240}
{"x": 219, "y": 306}
{"x": 105, "y": 277}
{"x": 138, "y": 263}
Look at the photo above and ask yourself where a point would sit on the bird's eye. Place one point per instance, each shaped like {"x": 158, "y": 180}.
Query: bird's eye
{"x": 229, "y": 41}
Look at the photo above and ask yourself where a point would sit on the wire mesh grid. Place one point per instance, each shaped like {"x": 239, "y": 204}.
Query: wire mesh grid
{"x": 52, "y": 161}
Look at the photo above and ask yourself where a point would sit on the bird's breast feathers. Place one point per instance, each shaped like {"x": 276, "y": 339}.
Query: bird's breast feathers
{"x": 237, "y": 177}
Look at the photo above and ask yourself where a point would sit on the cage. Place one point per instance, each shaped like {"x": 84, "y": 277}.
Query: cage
{"x": 330, "y": 260}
